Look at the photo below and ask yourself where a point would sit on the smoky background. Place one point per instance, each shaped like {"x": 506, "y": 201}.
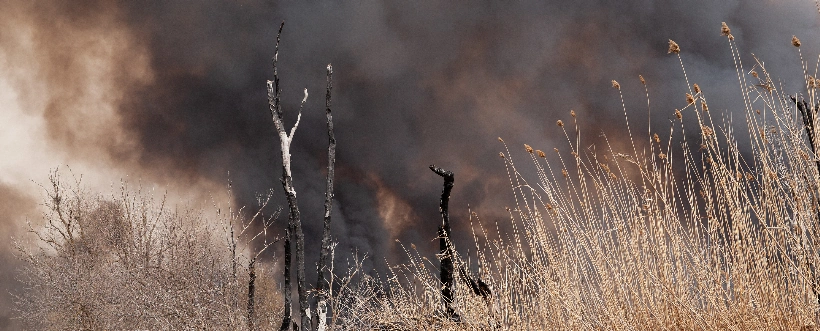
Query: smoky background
{"x": 171, "y": 94}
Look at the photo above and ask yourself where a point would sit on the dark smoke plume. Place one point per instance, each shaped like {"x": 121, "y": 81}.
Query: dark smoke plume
{"x": 174, "y": 92}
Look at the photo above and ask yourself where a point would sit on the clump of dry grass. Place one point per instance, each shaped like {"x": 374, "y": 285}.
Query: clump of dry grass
{"x": 697, "y": 236}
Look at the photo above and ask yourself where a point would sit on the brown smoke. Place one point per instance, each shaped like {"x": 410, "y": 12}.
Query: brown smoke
{"x": 65, "y": 68}
{"x": 15, "y": 208}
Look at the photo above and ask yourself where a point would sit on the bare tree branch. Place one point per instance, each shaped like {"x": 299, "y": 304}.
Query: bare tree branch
{"x": 321, "y": 282}
{"x": 294, "y": 221}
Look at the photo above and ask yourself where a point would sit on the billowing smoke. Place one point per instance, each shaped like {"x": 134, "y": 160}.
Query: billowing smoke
{"x": 173, "y": 94}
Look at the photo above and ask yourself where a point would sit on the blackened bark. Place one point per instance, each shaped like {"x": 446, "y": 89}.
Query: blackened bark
{"x": 233, "y": 254}
{"x": 286, "y": 318}
{"x": 300, "y": 258}
{"x": 475, "y": 283}
{"x": 444, "y": 202}
{"x": 294, "y": 221}
{"x": 321, "y": 283}
{"x": 809, "y": 116}
{"x": 446, "y": 245}
{"x": 251, "y": 293}
{"x": 446, "y": 272}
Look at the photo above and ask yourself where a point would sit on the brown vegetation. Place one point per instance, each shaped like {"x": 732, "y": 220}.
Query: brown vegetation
{"x": 129, "y": 262}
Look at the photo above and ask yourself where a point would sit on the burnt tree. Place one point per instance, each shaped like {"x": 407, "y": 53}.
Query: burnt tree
{"x": 252, "y": 295}
{"x": 286, "y": 315}
{"x": 809, "y": 115}
{"x": 446, "y": 245}
{"x": 294, "y": 221}
{"x": 321, "y": 283}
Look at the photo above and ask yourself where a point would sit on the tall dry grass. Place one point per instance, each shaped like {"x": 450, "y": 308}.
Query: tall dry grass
{"x": 670, "y": 233}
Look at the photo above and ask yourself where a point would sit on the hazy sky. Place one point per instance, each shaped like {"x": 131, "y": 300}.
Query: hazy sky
{"x": 172, "y": 94}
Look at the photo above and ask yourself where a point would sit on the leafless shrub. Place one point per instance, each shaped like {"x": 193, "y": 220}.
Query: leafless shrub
{"x": 128, "y": 262}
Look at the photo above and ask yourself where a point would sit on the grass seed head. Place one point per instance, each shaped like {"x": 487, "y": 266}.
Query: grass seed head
{"x": 656, "y": 138}
{"x": 662, "y": 156}
{"x": 572, "y": 113}
{"x": 678, "y": 114}
{"x": 703, "y": 104}
{"x": 696, "y": 87}
{"x": 707, "y": 131}
{"x": 724, "y": 29}
{"x": 564, "y": 172}
{"x": 795, "y": 41}
{"x": 501, "y": 155}
{"x": 690, "y": 99}
{"x": 772, "y": 175}
{"x": 643, "y": 81}
{"x": 754, "y": 74}
{"x": 528, "y": 148}
{"x": 673, "y": 47}
{"x": 616, "y": 85}
{"x": 541, "y": 153}
{"x": 560, "y": 123}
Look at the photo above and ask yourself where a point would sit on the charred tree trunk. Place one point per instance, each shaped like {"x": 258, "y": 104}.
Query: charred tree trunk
{"x": 321, "y": 283}
{"x": 446, "y": 245}
{"x": 294, "y": 221}
{"x": 809, "y": 115}
{"x": 286, "y": 316}
{"x": 475, "y": 283}
{"x": 251, "y": 294}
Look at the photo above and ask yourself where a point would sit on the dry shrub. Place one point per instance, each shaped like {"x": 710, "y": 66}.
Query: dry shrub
{"x": 128, "y": 262}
